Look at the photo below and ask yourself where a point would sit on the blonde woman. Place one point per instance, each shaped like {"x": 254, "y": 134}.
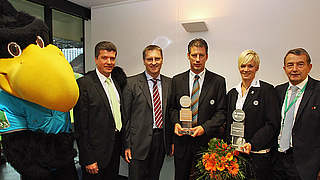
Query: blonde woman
{"x": 258, "y": 102}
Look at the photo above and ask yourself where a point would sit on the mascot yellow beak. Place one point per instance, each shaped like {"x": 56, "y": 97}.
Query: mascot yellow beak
{"x": 42, "y": 76}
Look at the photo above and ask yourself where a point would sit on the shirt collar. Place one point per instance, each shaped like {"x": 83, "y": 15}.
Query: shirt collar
{"x": 254, "y": 83}
{"x": 300, "y": 85}
{"x": 149, "y": 77}
{"x": 101, "y": 77}
{"x": 201, "y": 75}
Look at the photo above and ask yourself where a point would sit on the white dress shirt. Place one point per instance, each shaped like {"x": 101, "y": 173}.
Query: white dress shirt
{"x": 241, "y": 99}
{"x": 297, "y": 104}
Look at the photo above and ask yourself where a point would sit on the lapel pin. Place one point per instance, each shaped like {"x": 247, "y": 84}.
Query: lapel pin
{"x": 212, "y": 102}
{"x": 314, "y": 107}
{"x": 252, "y": 92}
{"x": 255, "y": 102}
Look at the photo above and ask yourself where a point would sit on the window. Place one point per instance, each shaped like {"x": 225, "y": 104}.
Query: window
{"x": 68, "y": 36}
{"x": 67, "y": 30}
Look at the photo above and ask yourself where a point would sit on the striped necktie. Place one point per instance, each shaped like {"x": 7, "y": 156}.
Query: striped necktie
{"x": 195, "y": 100}
{"x": 115, "y": 104}
{"x": 157, "y": 104}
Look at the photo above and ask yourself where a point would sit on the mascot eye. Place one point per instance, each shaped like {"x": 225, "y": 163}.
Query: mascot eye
{"x": 40, "y": 42}
{"x": 14, "y": 49}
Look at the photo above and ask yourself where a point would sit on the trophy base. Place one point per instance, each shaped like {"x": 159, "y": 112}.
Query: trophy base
{"x": 237, "y": 147}
{"x": 238, "y": 142}
{"x": 186, "y": 132}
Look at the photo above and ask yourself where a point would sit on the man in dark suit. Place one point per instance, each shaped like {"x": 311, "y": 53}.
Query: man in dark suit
{"x": 148, "y": 132}
{"x": 298, "y": 155}
{"x": 98, "y": 119}
{"x": 208, "y": 109}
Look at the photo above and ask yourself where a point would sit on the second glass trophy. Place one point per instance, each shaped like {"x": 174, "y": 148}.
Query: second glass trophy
{"x": 237, "y": 129}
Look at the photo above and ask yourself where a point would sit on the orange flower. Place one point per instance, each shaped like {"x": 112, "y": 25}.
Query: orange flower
{"x": 234, "y": 169}
{"x": 208, "y": 162}
{"x": 221, "y": 166}
{"x": 229, "y": 156}
{"x": 223, "y": 159}
{"x": 224, "y": 146}
{"x": 236, "y": 153}
{"x": 205, "y": 157}
{"x": 213, "y": 156}
{"x": 235, "y": 160}
{"x": 220, "y": 161}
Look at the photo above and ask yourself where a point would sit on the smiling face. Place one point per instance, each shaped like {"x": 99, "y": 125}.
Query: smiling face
{"x": 105, "y": 62}
{"x": 296, "y": 68}
{"x": 197, "y": 58}
{"x": 248, "y": 70}
{"x": 153, "y": 62}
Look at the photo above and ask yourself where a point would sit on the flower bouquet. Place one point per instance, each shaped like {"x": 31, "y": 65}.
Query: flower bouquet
{"x": 221, "y": 161}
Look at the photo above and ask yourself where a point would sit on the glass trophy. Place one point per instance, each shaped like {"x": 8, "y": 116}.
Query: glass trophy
{"x": 237, "y": 129}
{"x": 186, "y": 115}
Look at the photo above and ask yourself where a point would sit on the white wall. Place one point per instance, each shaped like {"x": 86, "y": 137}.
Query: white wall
{"x": 269, "y": 27}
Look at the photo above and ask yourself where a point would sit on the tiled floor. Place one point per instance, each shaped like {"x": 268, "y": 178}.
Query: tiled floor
{"x": 8, "y": 173}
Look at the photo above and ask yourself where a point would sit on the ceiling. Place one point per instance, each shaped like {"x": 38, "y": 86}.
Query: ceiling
{"x": 92, "y": 3}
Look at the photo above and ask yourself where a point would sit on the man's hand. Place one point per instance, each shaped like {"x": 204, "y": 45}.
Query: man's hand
{"x": 92, "y": 168}
{"x": 177, "y": 128}
{"x": 127, "y": 154}
{"x": 246, "y": 148}
{"x": 197, "y": 131}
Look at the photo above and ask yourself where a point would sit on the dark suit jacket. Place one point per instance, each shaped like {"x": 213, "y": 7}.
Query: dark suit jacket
{"x": 211, "y": 108}
{"x": 306, "y": 130}
{"x": 139, "y": 115}
{"x": 262, "y": 116}
{"x": 94, "y": 122}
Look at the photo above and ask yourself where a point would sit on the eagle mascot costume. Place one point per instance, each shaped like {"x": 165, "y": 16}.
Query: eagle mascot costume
{"x": 37, "y": 91}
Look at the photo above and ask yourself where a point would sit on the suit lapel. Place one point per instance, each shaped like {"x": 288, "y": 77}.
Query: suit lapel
{"x": 118, "y": 88}
{"x": 233, "y": 100}
{"x": 205, "y": 87}
{"x": 305, "y": 98}
{"x": 100, "y": 90}
{"x": 283, "y": 92}
{"x": 186, "y": 89}
{"x": 165, "y": 88}
{"x": 143, "y": 83}
{"x": 250, "y": 96}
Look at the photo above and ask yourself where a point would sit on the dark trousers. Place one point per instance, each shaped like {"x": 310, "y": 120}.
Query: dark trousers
{"x": 111, "y": 171}
{"x": 260, "y": 167}
{"x": 185, "y": 167}
{"x": 284, "y": 167}
{"x": 149, "y": 169}
{"x": 67, "y": 172}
